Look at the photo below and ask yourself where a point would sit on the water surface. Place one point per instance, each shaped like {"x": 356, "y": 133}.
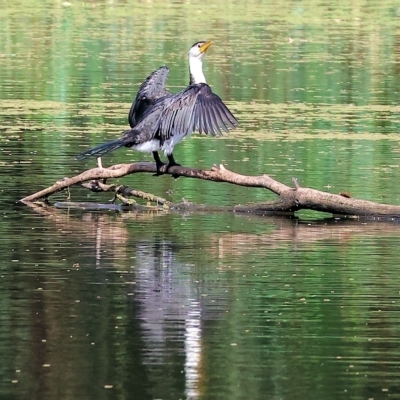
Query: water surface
{"x": 159, "y": 305}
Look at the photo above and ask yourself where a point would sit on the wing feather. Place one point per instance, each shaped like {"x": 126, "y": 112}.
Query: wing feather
{"x": 152, "y": 89}
{"x": 210, "y": 124}
{"x": 217, "y": 124}
{"x": 221, "y": 120}
{"x": 229, "y": 120}
{"x": 196, "y": 108}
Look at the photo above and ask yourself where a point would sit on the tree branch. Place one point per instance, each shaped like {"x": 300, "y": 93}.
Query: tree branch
{"x": 289, "y": 201}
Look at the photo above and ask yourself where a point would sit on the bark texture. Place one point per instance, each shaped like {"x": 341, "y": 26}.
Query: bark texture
{"x": 290, "y": 199}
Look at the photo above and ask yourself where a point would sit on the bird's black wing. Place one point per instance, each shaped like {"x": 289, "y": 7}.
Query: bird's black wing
{"x": 196, "y": 108}
{"x": 149, "y": 92}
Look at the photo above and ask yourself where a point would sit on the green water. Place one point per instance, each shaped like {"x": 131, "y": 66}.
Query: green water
{"x": 108, "y": 305}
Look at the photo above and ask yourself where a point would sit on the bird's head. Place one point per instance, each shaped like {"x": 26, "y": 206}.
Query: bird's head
{"x": 198, "y": 50}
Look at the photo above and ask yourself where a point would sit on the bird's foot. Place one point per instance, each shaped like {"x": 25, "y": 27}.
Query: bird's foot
{"x": 173, "y": 164}
{"x": 164, "y": 168}
{"x": 161, "y": 168}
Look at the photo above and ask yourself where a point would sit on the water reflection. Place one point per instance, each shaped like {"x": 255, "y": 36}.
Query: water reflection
{"x": 274, "y": 305}
{"x": 170, "y": 309}
{"x": 102, "y": 304}
{"x": 149, "y": 304}
{"x": 193, "y": 351}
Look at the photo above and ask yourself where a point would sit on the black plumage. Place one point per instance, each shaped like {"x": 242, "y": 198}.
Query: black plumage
{"x": 152, "y": 89}
{"x": 159, "y": 119}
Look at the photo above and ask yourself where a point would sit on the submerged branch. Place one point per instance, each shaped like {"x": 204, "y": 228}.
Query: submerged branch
{"x": 289, "y": 199}
{"x": 123, "y": 193}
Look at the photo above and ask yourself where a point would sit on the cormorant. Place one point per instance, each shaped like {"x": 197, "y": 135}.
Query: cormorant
{"x": 159, "y": 119}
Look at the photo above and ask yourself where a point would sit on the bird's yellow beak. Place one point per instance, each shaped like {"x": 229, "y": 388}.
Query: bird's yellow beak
{"x": 204, "y": 47}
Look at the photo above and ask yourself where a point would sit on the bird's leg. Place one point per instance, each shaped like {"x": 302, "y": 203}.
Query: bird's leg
{"x": 162, "y": 168}
{"x": 171, "y": 161}
{"x": 159, "y": 163}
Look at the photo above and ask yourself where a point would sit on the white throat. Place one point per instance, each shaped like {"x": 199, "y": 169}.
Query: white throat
{"x": 196, "y": 70}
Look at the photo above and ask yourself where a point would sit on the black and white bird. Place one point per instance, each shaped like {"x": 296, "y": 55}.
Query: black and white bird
{"x": 159, "y": 119}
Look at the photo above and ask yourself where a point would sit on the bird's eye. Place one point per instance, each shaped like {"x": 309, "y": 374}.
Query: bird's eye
{"x": 199, "y": 45}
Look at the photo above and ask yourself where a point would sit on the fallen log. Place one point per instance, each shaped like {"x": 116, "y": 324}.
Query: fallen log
{"x": 290, "y": 199}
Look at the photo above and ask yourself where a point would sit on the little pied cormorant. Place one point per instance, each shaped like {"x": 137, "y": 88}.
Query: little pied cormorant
{"x": 159, "y": 119}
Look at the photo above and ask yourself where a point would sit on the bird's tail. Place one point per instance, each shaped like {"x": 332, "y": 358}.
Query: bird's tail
{"x": 102, "y": 149}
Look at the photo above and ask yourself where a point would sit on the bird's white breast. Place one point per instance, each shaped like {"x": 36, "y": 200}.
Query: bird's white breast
{"x": 154, "y": 144}
{"x": 149, "y": 146}
{"x": 168, "y": 146}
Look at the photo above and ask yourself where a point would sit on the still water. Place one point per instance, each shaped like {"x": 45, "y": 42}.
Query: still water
{"x": 112, "y": 305}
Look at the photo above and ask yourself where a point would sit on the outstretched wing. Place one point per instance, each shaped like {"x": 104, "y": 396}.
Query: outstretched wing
{"x": 196, "y": 108}
{"x": 152, "y": 89}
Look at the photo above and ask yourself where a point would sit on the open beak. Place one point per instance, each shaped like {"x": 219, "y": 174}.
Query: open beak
{"x": 204, "y": 47}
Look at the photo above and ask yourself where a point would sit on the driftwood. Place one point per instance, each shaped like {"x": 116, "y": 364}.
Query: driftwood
{"x": 290, "y": 199}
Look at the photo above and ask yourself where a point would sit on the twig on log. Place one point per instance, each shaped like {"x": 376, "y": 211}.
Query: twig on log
{"x": 296, "y": 183}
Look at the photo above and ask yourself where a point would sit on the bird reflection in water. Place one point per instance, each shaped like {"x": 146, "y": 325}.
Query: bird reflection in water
{"x": 169, "y": 301}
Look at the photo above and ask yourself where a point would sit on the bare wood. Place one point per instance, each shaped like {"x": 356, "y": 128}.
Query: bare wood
{"x": 123, "y": 193}
{"x": 217, "y": 174}
{"x": 289, "y": 199}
